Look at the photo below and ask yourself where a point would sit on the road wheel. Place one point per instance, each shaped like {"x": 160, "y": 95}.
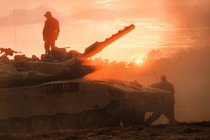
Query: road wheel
{"x": 65, "y": 121}
{"x": 90, "y": 120}
{"x": 40, "y": 124}
{"x": 17, "y": 125}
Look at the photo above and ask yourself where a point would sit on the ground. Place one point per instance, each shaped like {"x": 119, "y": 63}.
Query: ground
{"x": 180, "y": 131}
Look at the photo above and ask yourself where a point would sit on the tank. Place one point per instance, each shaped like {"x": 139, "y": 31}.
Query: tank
{"x": 50, "y": 94}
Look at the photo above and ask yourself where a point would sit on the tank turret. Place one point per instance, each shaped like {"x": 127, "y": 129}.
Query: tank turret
{"x": 58, "y": 64}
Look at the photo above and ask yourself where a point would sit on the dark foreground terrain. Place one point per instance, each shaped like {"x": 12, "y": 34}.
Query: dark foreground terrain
{"x": 180, "y": 131}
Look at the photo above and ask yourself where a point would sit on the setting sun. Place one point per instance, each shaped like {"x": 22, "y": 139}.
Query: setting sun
{"x": 138, "y": 61}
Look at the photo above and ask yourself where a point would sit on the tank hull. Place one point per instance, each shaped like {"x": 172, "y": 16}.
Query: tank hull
{"x": 77, "y": 104}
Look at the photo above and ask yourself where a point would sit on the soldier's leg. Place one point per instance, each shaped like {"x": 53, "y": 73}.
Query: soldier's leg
{"x": 52, "y": 49}
{"x": 52, "y": 44}
{"x": 170, "y": 113}
{"x": 47, "y": 47}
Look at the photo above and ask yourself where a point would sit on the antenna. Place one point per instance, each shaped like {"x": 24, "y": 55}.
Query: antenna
{"x": 155, "y": 76}
{"x": 15, "y": 30}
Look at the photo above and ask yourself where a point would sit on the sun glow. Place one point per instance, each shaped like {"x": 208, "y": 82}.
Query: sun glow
{"x": 138, "y": 61}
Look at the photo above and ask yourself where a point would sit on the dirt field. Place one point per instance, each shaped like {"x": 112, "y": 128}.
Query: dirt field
{"x": 181, "y": 131}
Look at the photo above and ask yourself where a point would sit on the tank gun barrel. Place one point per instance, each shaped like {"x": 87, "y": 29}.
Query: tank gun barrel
{"x": 98, "y": 46}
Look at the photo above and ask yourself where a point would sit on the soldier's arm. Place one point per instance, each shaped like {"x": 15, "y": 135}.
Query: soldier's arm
{"x": 44, "y": 31}
{"x": 58, "y": 27}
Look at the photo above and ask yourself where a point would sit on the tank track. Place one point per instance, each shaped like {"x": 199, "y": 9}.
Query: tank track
{"x": 89, "y": 119}
{"x": 115, "y": 114}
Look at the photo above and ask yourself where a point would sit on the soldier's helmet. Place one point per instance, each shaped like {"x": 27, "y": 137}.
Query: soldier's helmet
{"x": 163, "y": 77}
{"x": 48, "y": 14}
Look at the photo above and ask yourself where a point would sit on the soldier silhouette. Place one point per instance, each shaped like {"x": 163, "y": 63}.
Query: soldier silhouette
{"x": 166, "y": 85}
{"x": 50, "y": 32}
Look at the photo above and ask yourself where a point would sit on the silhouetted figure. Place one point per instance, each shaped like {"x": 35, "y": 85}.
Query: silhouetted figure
{"x": 166, "y": 85}
{"x": 50, "y": 32}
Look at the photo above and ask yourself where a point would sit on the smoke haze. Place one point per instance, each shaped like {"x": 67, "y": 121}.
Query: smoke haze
{"x": 188, "y": 70}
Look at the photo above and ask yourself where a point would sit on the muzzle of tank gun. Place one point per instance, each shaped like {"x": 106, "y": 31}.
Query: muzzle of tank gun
{"x": 99, "y": 46}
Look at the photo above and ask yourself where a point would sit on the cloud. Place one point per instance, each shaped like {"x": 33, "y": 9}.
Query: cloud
{"x": 26, "y": 16}
{"x": 95, "y": 11}
{"x": 189, "y": 13}
{"x": 99, "y": 14}
{"x": 102, "y": 1}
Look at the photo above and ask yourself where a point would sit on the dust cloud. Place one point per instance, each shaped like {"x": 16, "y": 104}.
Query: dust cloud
{"x": 188, "y": 69}
{"x": 191, "y": 67}
{"x": 188, "y": 13}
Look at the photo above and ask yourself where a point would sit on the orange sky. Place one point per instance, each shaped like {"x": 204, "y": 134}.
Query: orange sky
{"x": 85, "y": 21}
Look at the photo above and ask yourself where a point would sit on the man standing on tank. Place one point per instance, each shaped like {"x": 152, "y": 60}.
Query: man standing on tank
{"x": 166, "y": 85}
{"x": 50, "y": 32}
